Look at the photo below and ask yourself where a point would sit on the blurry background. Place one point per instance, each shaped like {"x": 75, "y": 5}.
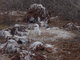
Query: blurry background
{"x": 65, "y": 9}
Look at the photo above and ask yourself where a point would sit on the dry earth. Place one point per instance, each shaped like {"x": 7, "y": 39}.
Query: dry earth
{"x": 66, "y": 44}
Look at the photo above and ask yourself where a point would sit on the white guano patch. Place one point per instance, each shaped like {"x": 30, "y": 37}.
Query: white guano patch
{"x": 60, "y": 33}
{"x": 52, "y": 34}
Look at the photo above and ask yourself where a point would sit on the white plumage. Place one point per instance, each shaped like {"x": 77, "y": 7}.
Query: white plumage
{"x": 37, "y": 29}
{"x": 6, "y": 34}
{"x": 12, "y": 46}
{"x": 35, "y": 45}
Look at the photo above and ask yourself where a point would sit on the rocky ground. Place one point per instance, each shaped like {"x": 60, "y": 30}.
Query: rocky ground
{"x": 65, "y": 43}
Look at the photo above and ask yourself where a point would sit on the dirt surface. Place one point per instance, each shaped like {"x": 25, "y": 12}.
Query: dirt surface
{"x": 66, "y": 45}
